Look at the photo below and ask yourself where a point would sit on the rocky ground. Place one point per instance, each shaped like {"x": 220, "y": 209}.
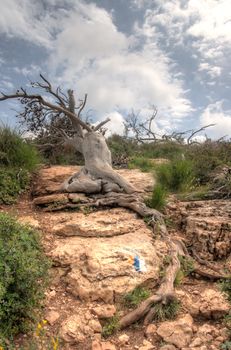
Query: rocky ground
{"x": 92, "y": 251}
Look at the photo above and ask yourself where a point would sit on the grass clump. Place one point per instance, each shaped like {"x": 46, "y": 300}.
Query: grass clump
{"x": 175, "y": 176}
{"x": 167, "y": 311}
{"x": 135, "y": 297}
{"x": 110, "y": 327}
{"x": 158, "y": 198}
{"x": 23, "y": 271}
{"x": 144, "y": 164}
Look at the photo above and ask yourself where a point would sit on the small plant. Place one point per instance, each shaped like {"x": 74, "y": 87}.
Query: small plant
{"x": 23, "y": 271}
{"x": 167, "y": 311}
{"x": 158, "y": 198}
{"x": 225, "y": 286}
{"x": 187, "y": 265}
{"x": 165, "y": 263}
{"x": 135, "y": 297}
{"x": 110, "y": 327}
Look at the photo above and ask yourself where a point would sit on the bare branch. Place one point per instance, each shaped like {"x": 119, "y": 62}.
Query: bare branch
{"x": 82, "y": 106}
{"x": 196, "y": 132}
{"x": 38, "y": 98}
{"x": 99, "y": 126}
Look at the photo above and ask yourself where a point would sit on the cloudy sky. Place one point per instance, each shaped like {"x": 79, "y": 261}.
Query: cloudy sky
{"x": 174, "y": 54}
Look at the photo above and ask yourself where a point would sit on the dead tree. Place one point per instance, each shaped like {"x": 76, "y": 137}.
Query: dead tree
{"x": 143, "y": 130}
{"x": 97, "y": 176}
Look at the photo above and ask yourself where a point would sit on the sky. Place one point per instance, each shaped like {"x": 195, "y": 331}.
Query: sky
{"x": 125, "y": 54}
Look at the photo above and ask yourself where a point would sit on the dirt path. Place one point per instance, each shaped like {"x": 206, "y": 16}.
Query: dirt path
{"x": 92, "y": 270}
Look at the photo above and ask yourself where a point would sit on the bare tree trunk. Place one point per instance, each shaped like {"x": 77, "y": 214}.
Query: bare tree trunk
{"x": 97, "y": 175}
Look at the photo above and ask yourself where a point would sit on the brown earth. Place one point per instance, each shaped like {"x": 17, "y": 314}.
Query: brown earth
{"x": 92, "y": 252}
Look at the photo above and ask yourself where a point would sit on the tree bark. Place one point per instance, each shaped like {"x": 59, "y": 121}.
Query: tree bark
{"x": 97, "y": 176}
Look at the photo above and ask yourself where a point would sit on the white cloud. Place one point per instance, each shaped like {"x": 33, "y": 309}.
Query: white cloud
{"x": 98, "y": 59}
{"x": 215, "y": 114}
{"x": 202, "y": 26}
{"x": 116, "y": 124}
{"x": 212, "y": 71}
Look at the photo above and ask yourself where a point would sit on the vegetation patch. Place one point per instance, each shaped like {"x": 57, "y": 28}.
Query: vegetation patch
{"x": 144, "y": 164}
{"x": 175, "y": 176}
{"x": 24, "y": 272}
{"x": 15, "y": 152}
{"x": 135, "y": 297}
{"x": 17, "y": 159}
{"x": 163, "y": 312}
{"x": 110, "y": 327}
{"x": 158, "y": 199}
{"x": 225, "y": 286}
{"x": 12, "y": 183}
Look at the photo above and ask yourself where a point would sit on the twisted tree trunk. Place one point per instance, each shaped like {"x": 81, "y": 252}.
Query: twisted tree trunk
{"x": 97, "y": 176}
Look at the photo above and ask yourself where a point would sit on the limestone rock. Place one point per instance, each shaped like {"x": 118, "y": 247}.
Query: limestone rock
{"x": 104, "y": 311}
{"x": 99, "y": 224}
{"x": 123, "y": 339}
{"x": 54, "y": 199}
{"x": 212, "y": 304}
{"x": 150, "y": 331}
{"x": 177, "y": 332}
{"x": 98, "y": 345}
{"x": 146, "y": 346}
{"x": 100, "y": 268}
{"x": 52, "y": 317}
{"x": 168, "y": 347}
{"x": 78, "y": 327}
{"x": 206, "y": 225}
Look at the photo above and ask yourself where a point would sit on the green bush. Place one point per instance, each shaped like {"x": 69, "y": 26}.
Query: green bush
{"x": 158, "y": 198}
{"x": 207, "y": 156}
{"x": 23, "y": 271}
{"x": 17, "y": 159}
{"x": 175, "y": 176}
{"x": 12, "y": 183}
{"x": 16, "y": 152}
{"x": 135, "y": 297}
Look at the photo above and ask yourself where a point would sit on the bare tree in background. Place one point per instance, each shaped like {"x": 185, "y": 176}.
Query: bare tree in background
{"x": 144, "y": 130}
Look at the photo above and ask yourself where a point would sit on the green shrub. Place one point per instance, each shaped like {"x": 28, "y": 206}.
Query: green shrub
{"x": 23, "y": 271}
{"x": 207, "y": 156}
{"x": 135, "y": 297}
{"x": 158, "y": 198}
{"x": 176, "y": 175}
{"x": 110, "y": 326}
{"x": 166, "y": 311}
{"x": 144, "y": 164}
{"x": 12, "y": 183}
{"x": 16, "y": 152}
